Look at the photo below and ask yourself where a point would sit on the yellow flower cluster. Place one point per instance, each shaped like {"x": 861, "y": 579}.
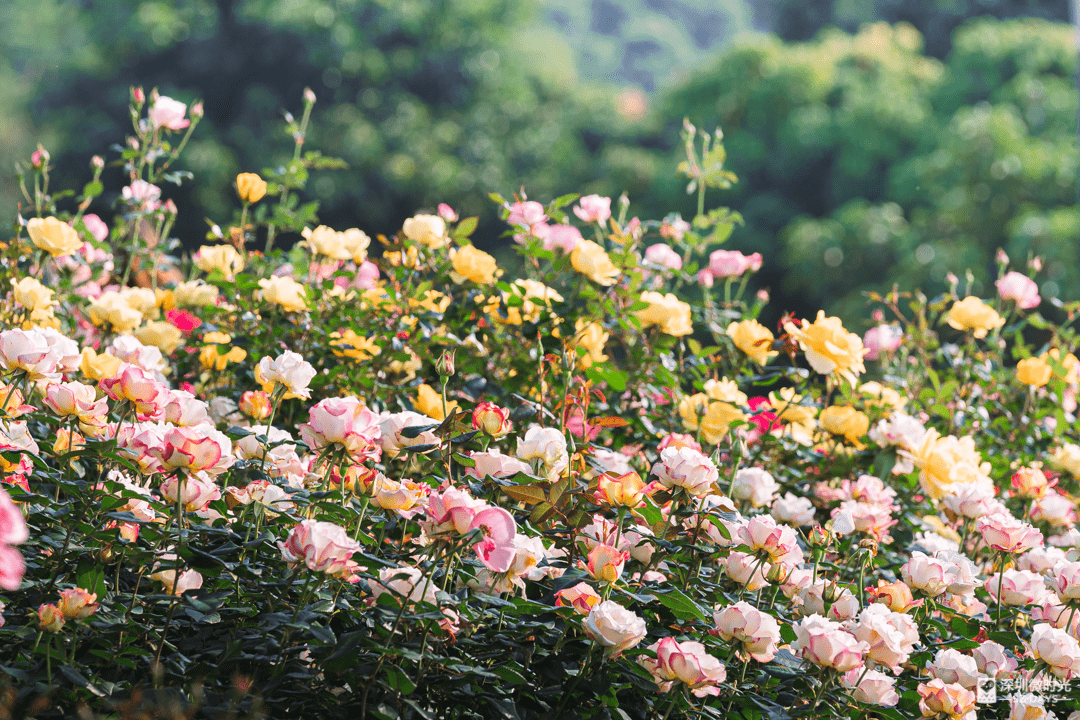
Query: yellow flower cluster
{"x": 713, "y": 410}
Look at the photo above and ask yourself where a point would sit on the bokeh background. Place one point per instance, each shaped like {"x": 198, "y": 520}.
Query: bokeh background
{"x": 876, "y": 141}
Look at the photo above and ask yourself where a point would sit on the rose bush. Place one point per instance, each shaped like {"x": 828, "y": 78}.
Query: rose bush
{"x": 393, "y": 480}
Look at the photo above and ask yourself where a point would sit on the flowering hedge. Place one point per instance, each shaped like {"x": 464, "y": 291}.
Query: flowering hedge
{"x": 396, "y": 482}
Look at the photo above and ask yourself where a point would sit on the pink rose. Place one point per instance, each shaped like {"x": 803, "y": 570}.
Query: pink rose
{"x": 686, "y": 468}
{"x": 1004, "y": 532}
{"x": 289, "y": 371}
{"x": 825, "y": 643}
{"x": 614, "y": 627}
{"x": 406, "y": 583}
{"x": 496, "y": 548}
{"x": 662, "y": 255}
{"x": 758, "y": 632}
{"x": 931, "y": 575}
{"x": 990, "y": 659}
{"x": 199, "y": 448}
{"x": 140, "y": 388}
{"x": 494, "y": 464}
{"x": 1019, "y": 287}
{"x": 1057, "y": 649}
{"x": 793, "y": 510}
{"x": 189, "y": 580}
{"x": 75, "y": 399}
{"x": 142, "y": 443}
{"x": 168, "y": 113}
{"x": 732, "y": 263}
{"x": 754, "y": 485}
{"x": 892, "y": 636}
{"x": 28, "y": 351}
{"x": 882, "y": 338}
{"x": 593, "y": 209}
{"x": 747, "y": 570}
{"x": 322, "y": 546}
{"x": 96, "y": 227}
{"x": 871, "y": 687}
{"x": 194, "y": 492}
{"x": 526, "y": 214}
{"x": 685, "y": 662}
{"x": 1055, "y": 509}
{"x": 563, "y": 237}
{"x": 343, "y": 421}
{"x": 953, "y": 666}
{"x": 450, "y": 511}
{"x": 1067, "y": 580}
{"x": 762, "y": 533}
{"x": 183, "y": 408}
{"x": 1017, "y": 587}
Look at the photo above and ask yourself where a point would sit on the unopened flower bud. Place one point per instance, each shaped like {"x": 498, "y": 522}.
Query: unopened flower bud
{"x": 778, "y": 573}
{"x": 447, "y": 213}
{"x": 819, "y": 537}
{"x": 250, "y": 187}
{"x": 309, "y": 96}
{"x": 77, "y": 604}
{"x": 97, "y": 162}
{"x": 255, "y": 404}
{"x": 40, "y": 157}
{"x": 445, "y": 364}
{"x": 196, "y": 111}
{"x": 1002, "y": 258}
{"x": 137, "y": 96}
{"x": 491, "y": 419}
{"x": 763, "y": 296}
{"x": 170, "y": 207}
{"x": 50, "y": 618}
{"x": 1036, "y": 264}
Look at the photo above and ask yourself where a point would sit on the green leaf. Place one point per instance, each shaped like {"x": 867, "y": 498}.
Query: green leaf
{"x": 681, "y": 605}
{"x": 466, "y": 227}
{"x": 616, "y": 379}
{"x": 398, "y": 680}
{"x": 91, "y": 577}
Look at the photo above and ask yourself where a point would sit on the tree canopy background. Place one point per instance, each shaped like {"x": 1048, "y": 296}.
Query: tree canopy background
{"x": 902, "y": 152}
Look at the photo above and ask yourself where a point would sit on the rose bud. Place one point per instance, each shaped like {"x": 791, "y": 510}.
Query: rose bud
{"x": 50, "y": 618}
{"x": 491, "y": 419}
{"x": 624, "y": 490}
{"x": 77, "y": 604}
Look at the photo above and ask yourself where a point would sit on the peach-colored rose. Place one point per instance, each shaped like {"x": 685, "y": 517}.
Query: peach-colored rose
{"x": 667, "y": 312}
{"x": 289, "y": 370}
{"x": 77, "y": 604}
{"x": 953, "y": 701}
{"x": 686, "y": 468}
{"x": 953, "y": 666}
{"x": 892, "y": 636}
{"x": 284, "y": 291}
{"x": 193, "y": 492}
{"x": 53, "y": 236}
{"x": 198, "y": 448}
{"x": 581, "y": 597}
{"x": 342, "y": 421}
{"x": 491, "y": 419}
{"x": 605, "y": 563}
{"x": 50, "y": 618}
{"x": 752, "y": 338}
{"x": 133, "y": 384}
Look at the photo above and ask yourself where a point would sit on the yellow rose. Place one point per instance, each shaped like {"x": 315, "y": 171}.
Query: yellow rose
{"x": 714, "y": 417}
{"x": 284, "y": 291}
{"x": 427, "y": 230}
{"x": 883, "y": 396}
{"x": 796, "y": 419}
{"x": 53, "y": 236}
{"x": 348, "y": 344}
{"x": 535, "y": 298}
{"x": 162, "y": 335}
{"x": 33, "y": 296}
{"x": 165, "y": 299}
{"x": 195, "y": 293}
{"x": 328, "y": 242}
{"x": 429, "y": 402}
{"x": 223, "y": 258}
{"x": 829, "y": 347}
{"x": 1067, "y": 457}
{"x": 111, "y": 309}
{"x": 666, "y": 311}
{"x": 944, "y": 461}
{"x": 1069, "y": 364}
{"x": 591, "y": 337}
{"x": 213, "y": 359}
{"x": 1034, "y": 371}
{"x": 250, "y": 187}
{"x": 406, "y": 369}
{"x": 971, "y": 313}
{"x": 144, "y": 300}
{"x": 752, "y": 338}
{"x": 98, "y": 367}
{"x": 433, "y": 301}
{"x": 591, "y": 260}
{"x": 356, "y": 243}
{"x": 847, "y": 421}
{"x": 473, "y": 264}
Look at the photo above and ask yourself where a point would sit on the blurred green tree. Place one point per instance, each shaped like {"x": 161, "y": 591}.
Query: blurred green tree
{"x": 870, "y": 163}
